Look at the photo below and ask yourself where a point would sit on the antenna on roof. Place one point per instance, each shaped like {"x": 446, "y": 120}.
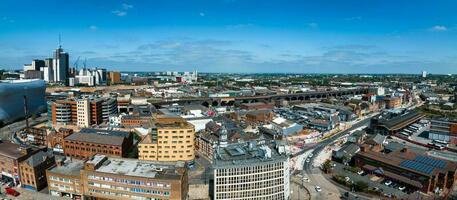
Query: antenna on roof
{"x": 60, "y": 41}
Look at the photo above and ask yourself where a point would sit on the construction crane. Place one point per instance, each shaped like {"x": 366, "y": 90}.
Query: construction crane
{"x": 76, "y": 63}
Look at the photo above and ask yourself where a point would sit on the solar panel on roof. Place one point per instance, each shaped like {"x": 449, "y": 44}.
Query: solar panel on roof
{"x": 417, "y": 166}
{"x": 431, "y": 161}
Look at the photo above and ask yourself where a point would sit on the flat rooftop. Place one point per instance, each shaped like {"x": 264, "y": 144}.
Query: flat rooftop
{"x": 247, "y": 154}
{"x": 70, "y": 167}
{"x": 99, "y": 136}
{"x": 138, "y": 168}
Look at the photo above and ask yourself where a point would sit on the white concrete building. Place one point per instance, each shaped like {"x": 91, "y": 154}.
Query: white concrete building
{"x": 251, "y": 171}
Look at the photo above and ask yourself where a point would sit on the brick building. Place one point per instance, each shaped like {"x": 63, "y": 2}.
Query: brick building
{"x": 103, "y": 177}
{"x": 56, "y": 139}
{"x": 257, "y": 106}
{"x": 417, "y": 171}
{"x": 88, "y": 142}
{"x": 169, "y": 141}
{"x": 11, "y": 155}
{"x": 33, "y": 170}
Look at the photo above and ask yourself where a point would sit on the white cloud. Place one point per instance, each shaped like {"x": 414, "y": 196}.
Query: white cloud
{"x": 313, "y": 25}
{"x": 93, "y": 28}
{"x": 202, "y": 14}
{"x": 126, "y": 6}
{"x": 123, "y": 11}
{"x": 438, "y": 28}
{"x": 119, "y": 13}
{"x": 353, "y": 18}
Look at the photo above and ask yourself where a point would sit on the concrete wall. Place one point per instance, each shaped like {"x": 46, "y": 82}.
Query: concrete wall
{"x": 198, "y": 191}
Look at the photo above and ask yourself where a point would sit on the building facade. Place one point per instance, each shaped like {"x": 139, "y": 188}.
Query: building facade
{"x": 169, "y": 141}
{"x": 33, "y": 170}
{"x": 251, "y": 171}
{"x": 103, "y": 177}
{"x": 88, "y": 142}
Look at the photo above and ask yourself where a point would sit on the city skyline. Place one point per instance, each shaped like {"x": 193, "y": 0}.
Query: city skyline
{"x": 235, "y": 36}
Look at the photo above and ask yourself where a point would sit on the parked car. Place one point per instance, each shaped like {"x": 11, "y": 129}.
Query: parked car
{"x": 12, "y": 192}
{"x": 402, "y": 188}
{"x": 318, "y": 188}
{"x": 305, "y": 179}
{"x": 360, "y": 172}
{"x": 389, "y": 182}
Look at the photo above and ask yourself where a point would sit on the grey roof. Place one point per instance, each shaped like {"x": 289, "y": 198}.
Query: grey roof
{"x": 70, "y": 167}
{"x": 348, "y": 150}
{"x": 247, "y": 154}
{"x": 376, "y": 139}
{"x": 99, "y": 136}
{"x": 38, "y": 158}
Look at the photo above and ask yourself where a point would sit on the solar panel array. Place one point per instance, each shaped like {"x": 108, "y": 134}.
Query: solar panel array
{"x": 430, "y": 161}
{"x": 423, "y": 164}
{"x": 417, "y": 166}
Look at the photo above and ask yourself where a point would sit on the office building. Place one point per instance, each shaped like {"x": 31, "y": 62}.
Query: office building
{"x": 88, "y": 142}
{"x": 170, "y": 140}
{"x": 114, "y": 78}
{"x": 61, "y": 66}
{"x": 251, "y": 171}
{"x": 48, "y": 70}
{"x": 84, "y": 111}
{"x": 91, "y": 77}
{"x": 103, "y": 177}
{"x": 64, "y": 180}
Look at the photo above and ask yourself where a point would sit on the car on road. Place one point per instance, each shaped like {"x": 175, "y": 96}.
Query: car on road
{"x": 401, "y": 188}
{"x": 360, "y": 172}
{"x": 389, "y": 182}
{"x": 310, "y": 155}
{"x": 318, "y": 188}
{"x": 12, "y": 192}
{"x": 308, "y": 160}
{"x": 305, "y": 179}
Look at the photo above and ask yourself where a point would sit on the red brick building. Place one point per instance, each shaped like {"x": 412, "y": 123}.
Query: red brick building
{"x": 89, "y": 142}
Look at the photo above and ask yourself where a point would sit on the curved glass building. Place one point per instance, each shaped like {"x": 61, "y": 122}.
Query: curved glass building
{"x": 12, "y": 94}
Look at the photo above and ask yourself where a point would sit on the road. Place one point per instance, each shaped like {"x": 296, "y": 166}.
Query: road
{"x": 6, "y": 131}
{"x": 329, "y": 190}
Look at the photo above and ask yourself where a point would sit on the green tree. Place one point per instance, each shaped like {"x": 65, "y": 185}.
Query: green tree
{"x": 327, "y": 166}
{"x": 360, "y": 186}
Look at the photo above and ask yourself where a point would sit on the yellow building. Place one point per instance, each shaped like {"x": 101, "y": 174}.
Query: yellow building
{"x": 170, "y": 140}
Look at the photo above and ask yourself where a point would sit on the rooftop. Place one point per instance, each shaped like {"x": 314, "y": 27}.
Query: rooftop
{"x": 138, "y": 168}
{"x": 247, "y": 154}
{"x": 99, "y": 136}
{"x": 70, "y": 167}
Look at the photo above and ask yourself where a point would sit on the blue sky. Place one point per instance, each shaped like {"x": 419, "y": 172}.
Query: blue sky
{"x": 352, "y": 36}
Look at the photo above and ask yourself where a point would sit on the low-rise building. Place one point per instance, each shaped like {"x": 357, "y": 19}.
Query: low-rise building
{"x": 443, "y": 130}
{"x": 409, "y": 168}
{"x": 11, "y": 155}
{"x": 102, "y": 177}
{"x": 88, "y": 142}
{"x": 33, "y": 170}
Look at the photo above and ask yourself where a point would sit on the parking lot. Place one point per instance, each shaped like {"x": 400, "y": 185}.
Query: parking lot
{"x": 373, "y": 181}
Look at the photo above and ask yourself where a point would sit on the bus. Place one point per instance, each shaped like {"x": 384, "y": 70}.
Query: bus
{"x": 440, "y": 142}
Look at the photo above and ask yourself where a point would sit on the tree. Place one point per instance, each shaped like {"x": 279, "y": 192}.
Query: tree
{"x": 327, "y": 166}
{"x": 360, "y": 186}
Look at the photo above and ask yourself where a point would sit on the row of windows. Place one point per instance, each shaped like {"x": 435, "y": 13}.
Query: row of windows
{"x": 60, "y": 179}
{"x": 137, "y": 190}
{"x": 249, "y": 178}
{"x": 121, "y": 195}
{"x": 278, "y": 196}
{"x": 165, "y": 147}
{"x": 187, "y": 151}
{"x": 267, "y": 193}
{"x": 131, "y": 182}
{"x": 250, "y": 185}
{"x": 250, "y": 170}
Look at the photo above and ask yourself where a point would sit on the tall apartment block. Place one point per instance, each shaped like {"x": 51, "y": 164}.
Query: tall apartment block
{"x": 170, "y": 140}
